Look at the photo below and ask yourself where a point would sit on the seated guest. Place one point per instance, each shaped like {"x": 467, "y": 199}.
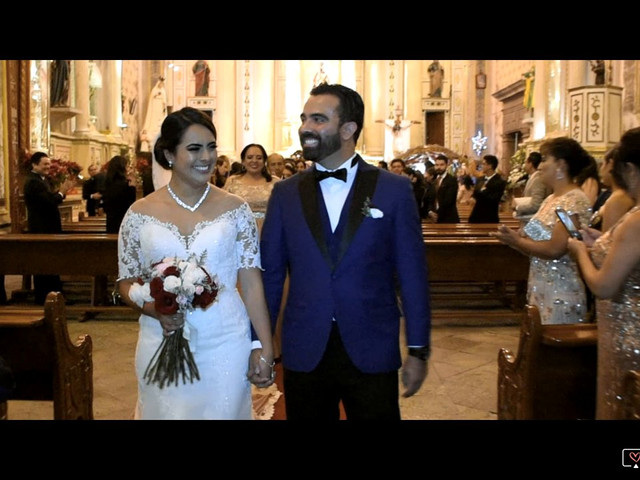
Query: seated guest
{"x": 488, "y": 193}
{"x": 617, "y": 202}
{"x": 554, "y": 284}
{"x": 610, "y": 266}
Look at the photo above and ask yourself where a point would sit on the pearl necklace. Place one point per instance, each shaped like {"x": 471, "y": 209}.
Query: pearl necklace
{"x": 184, "y": 205}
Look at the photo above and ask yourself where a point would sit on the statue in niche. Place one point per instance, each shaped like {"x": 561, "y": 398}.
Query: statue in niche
{"x": 436, "y": 75}
{"x": 597, "y": 67}
{"x": 201, "y": 71}
{"x": 60, "y": 72}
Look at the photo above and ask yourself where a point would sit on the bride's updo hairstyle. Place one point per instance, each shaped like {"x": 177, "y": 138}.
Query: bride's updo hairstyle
{"x": 569, "y": 150}
{"x": 173, "y": 128}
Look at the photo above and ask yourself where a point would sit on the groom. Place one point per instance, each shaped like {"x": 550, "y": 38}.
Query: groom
{"x": 349, "y": 234}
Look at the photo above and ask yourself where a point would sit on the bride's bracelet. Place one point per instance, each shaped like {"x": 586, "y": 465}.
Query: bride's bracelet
{"x": 271, "y": 365}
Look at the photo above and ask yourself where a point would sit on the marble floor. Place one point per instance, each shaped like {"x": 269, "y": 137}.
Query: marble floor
{"x": 461, "y": 384}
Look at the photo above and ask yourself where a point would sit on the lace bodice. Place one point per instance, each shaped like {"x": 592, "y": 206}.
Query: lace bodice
{"x": 144, "y": 240}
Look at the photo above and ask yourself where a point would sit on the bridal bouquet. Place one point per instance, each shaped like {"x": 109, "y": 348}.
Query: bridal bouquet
{"x": 176, "y": 286}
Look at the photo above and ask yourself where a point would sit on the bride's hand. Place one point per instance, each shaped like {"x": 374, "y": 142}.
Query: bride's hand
{"x": 261, "y": 368}
{"x": 170, "y": 323}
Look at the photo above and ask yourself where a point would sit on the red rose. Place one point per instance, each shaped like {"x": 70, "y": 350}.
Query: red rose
{"x": 205, "y": 299}
{"x": 171, "y": 271}
{"x": 166, "y": 303}
{"x": 156, "y": 287}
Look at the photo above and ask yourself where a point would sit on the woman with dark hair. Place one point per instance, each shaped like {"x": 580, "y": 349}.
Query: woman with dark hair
{"x": 189, "y": 219}
{"x": 610, "y": 266}
{"x": 221, "y": 172}
{"x": 465, "y": 190}
{"x": 119, "y": 192}
{"x": 254, "y": 184}
{"x": 554, "y": 284}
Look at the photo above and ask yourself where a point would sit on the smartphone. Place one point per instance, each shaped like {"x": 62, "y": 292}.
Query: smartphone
{"x": 568, "y": 223}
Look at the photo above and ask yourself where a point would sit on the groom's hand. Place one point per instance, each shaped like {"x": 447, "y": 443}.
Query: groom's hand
{"x": 414, "y": 371}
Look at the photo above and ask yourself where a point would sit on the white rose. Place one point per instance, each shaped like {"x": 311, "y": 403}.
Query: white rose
{"x": 188, "y": 289}
{"x": 194, "y": 275}
{"x": 172, "y": 284}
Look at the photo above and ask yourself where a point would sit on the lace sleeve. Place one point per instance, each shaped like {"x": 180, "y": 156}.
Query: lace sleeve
{"x": 247, "y": 247}
{"x": 129, "y": 264}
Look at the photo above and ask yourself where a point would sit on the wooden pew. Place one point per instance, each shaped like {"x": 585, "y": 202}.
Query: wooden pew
{"x": 92, "y": 255}
{"x": 45, "y": 364}
{"x": 464, "y": 229}
{"x": 553, "y": 376}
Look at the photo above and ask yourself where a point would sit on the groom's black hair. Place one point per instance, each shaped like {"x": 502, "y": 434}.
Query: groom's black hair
{"x": 351, "y": 104}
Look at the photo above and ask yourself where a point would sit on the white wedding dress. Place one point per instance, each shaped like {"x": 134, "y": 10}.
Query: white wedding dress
{"x": 222, "y": 341}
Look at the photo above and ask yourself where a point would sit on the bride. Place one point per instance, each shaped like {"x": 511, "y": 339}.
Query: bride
{"x": 191, "y": 217}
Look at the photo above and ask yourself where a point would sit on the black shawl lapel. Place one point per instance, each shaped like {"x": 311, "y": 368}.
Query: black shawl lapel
{"x": 308, "y": 188}
{"x": 364, "y": 186}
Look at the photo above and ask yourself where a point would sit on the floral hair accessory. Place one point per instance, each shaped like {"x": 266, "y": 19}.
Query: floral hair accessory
{"x": 370, "y": 211}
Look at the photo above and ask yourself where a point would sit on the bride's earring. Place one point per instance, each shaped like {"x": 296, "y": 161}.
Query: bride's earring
{"x": 170, "y": 164}
{"x": 559, "y": 174}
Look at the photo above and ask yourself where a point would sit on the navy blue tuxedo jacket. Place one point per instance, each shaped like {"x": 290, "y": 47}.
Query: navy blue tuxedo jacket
{"x": 351, "y": 275}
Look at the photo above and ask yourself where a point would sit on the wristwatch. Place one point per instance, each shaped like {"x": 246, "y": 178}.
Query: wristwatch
{"x": 420, "y": 352}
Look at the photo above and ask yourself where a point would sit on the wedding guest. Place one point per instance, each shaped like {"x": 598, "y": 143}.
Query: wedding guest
{"x": 397, "y": 166}
{"x": 429, "y": 199}
{"x": 187, "y": 218}
{"x": 288, "y": 171}
{"x": 535, "y": 190}
{"x": 43, "y": 215}
{"x": 465, "y": 190}
{"x": 255, "y": 183}
{"x": 92, "y": 190}
{"x": 487, "y": 193}
{"x": 445, "y": 209}
{"x": 554, "y": 284}
{"x": 383, "y": 165}
{"x": 589, "y": 181}
{"x": 610, "y": 265}
{"x": 301, "y": 165}
{"x": 618, "y": 201}
{"x": 221, "y": 171}
{"x": 275, "y": 164}
{"x": 119, "y": 192}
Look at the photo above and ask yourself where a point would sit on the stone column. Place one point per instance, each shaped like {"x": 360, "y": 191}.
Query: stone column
{"x": 374, "y": 97}
{"x": 115, "y": 97}
{"x": 225, "y": 118}
{"x": 82, "y": 96}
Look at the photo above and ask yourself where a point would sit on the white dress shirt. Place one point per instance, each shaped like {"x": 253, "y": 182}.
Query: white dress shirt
{"x": 335, "y": 191}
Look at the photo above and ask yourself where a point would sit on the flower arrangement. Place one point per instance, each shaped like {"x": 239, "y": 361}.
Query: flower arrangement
{"x": 517, "y": 172}
{"x": 176, "y": 286}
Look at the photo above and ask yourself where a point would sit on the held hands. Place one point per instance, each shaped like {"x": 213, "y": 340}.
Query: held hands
{"x": 170, "y": 323}
{"x": 261, "y": 368}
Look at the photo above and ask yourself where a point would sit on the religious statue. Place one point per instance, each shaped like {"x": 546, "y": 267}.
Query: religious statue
{"x": 436, "y": 74}
{"x": 397, "y": 138}
{"x": 201, "y": 71}
{"x": 529, "y": 82}
{"x": 320, "y": 76}
{"x": 60, "y": 71}
{"x": 597, "y": 67}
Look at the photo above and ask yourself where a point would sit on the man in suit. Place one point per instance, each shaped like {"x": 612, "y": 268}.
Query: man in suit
{"x": 43, "y": 215}
{"x": 446, "y": 206}
{"x": 535, "y": 190}
{"x": 93, "y": 189}
{"x": 488, "y": 193}
{"x": 346, "y": 242}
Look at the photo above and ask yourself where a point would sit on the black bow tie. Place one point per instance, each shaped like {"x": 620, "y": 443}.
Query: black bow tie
{"x": 340, "y": 174}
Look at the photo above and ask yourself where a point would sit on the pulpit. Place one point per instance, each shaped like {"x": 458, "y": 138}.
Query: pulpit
{"x": 596, "y": 117}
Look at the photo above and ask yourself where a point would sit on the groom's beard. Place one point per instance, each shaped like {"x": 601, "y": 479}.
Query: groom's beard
{"x": 326, "y": 146}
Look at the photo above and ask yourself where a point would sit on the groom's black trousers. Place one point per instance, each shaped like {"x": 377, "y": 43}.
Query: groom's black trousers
{"x": 316, "y": 395}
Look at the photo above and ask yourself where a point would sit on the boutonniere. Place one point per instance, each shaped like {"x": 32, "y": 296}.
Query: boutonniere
{"x": 370, "y": 211}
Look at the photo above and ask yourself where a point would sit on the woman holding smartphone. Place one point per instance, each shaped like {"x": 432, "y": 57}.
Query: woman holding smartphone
{"x": 611, "y": 269}
{"x": 554, "y": 284}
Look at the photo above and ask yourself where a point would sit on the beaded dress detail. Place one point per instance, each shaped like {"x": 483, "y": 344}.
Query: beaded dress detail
{"x": 618, "y": 333}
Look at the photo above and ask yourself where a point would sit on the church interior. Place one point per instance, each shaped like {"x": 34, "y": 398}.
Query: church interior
{"x": 86, "y": 111}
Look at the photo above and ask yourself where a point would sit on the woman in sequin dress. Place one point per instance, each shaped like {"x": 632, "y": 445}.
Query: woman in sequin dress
{"x": 255, "y": 183}
{"x": 554, "y": 283}
{"x": 612, "y": 271}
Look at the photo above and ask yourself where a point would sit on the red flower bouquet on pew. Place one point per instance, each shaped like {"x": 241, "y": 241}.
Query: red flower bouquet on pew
{"x": 178, "y": 286}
